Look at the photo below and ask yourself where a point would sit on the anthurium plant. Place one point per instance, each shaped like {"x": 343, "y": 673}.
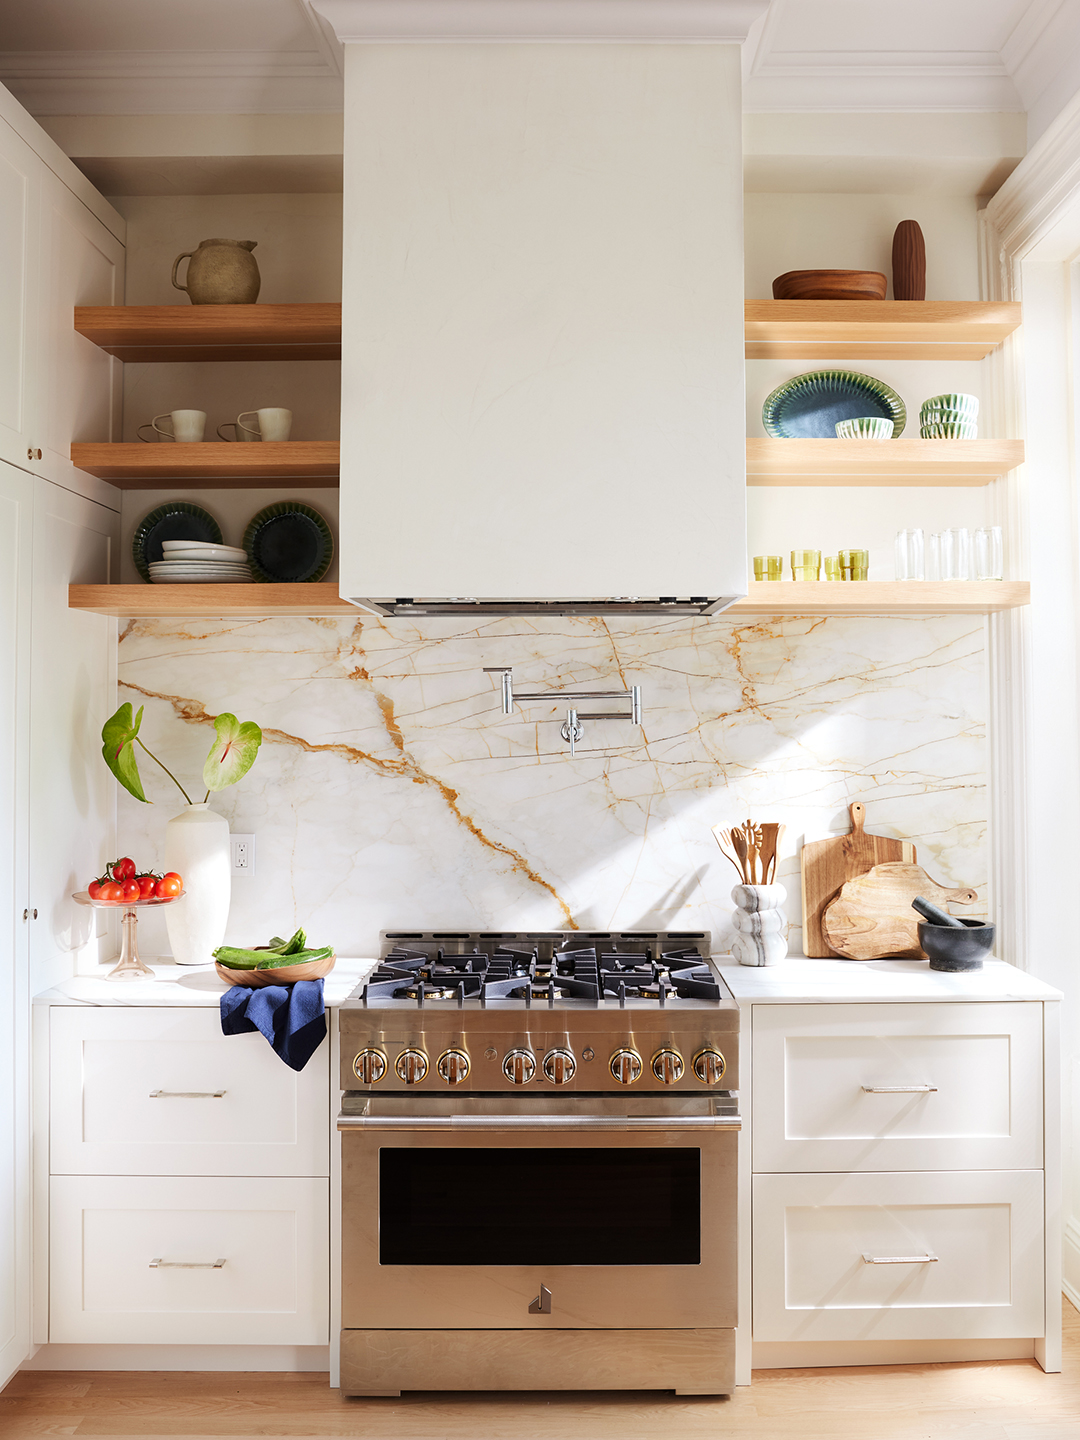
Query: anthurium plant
{"x": 236, "y": 743}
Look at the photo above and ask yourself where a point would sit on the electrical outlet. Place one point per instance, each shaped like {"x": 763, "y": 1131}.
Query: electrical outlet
{"x": 243, "y": 854}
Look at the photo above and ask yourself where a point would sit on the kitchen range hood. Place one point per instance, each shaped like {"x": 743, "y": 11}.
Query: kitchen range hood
{"x": 542, "y": 358}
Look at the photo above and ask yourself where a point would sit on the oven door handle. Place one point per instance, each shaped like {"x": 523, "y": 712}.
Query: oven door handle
{"x": 539, "y": 1122}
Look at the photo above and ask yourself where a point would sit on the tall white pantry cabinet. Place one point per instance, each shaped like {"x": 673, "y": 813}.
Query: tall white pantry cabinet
{"x": 61, "y": 245}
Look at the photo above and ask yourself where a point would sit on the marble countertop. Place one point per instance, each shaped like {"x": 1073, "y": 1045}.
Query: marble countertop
{"x": 797, "y": 980}
{"x": 184, "y": 985}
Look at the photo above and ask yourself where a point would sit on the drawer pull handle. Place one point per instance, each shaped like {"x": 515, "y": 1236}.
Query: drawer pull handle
{"x": 160, "y": 1264}
{"x": 899, "y": 1259}
{"x": 900, "y": 1089}
{"x": 186, "y": 1094}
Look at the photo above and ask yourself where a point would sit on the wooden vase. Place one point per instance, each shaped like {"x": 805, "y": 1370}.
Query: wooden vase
{"x": 908, "y": 262}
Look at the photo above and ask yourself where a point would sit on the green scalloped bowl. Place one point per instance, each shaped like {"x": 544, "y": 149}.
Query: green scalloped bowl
{"x": 809, "y": 406}
{"x": 288, "y": 544}
{"x": 175, "y": 520}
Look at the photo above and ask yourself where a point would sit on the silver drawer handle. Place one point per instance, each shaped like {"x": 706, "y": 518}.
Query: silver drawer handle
{"x": 900, "y": 1089}
{"x": 899, "y": 1259}
{"x": 160, "y": 1264}
{"x": 538, "y": 1122}
{"x": 186, "y": 1094}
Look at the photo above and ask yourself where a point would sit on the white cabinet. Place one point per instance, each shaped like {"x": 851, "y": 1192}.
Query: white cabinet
{"x": 189, "y": 1261}
{"x": 897, "y": 1087}
{"x": 20, "y": 170}
{"x": 163, "y": 1092}
{"x": 16, "y": 520}
{"x": 957, "y": 1255}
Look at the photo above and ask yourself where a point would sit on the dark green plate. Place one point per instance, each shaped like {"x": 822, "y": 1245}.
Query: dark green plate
{"x": 809, "y": 406}
{"x": 288, "y": 543}
{"x": 175, "y": 520}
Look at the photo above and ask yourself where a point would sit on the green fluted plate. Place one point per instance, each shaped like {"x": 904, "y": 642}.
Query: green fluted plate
{"x": 809, "y": 406}
{"x": 288, "y": 543}
{"x": 175, "y": 520}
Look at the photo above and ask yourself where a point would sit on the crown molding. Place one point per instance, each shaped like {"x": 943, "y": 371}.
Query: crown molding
{"x": 1042, "y": 195}
{"x": 581, "y": 21}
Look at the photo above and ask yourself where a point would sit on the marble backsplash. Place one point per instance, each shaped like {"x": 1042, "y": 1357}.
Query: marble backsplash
{"x": 390, "y": 789}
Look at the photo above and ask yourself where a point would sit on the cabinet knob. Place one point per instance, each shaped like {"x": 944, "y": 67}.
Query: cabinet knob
{"x": 32, "y": 454}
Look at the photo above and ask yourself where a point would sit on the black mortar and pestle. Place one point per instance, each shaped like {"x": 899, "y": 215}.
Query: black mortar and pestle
{"x": 952, "y": 944}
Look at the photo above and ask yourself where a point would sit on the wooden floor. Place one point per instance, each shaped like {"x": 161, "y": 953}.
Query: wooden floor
{"x": 1011, "y": 1400}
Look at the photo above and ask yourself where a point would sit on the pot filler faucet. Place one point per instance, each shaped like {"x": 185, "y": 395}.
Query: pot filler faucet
{"x": 573, "y": 729}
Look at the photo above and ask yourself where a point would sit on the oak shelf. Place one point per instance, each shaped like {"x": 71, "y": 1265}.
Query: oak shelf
{"x": 776, "y": 597}
{"x": 879, "y": 462}
{"x": 154, "y": 333}
{"x": 848, "y": 330}
{"x": 211, "y": 463}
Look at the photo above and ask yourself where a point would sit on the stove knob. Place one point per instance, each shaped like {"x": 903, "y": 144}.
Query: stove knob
{"x": 626, "y": 1066}
{"x": 559, "y": 1067}
{"x": 411, "y": 1066}
{"x": 709, "y": 1067}
{"x": 369, "y": 1066}
{"x": 667, "y": 1066}
{"x": 453, "y": 1066}
{"x": 519, "y": 1066}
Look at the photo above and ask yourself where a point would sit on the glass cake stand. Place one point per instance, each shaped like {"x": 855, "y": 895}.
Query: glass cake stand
{"x": 129, "y": 966}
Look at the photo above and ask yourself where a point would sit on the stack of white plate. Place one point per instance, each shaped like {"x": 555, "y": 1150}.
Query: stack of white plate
{"x": 198, "y": 562}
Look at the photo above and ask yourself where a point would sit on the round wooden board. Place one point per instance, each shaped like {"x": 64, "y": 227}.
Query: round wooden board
{"x": 285, "y": 975}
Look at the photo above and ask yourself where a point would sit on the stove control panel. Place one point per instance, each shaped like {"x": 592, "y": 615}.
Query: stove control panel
{"x": 667, "y": 1066}
{"x": 626, "y": 1066}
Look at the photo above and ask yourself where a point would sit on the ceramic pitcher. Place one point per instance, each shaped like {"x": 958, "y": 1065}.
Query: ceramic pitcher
{"x": 221, "y": 272}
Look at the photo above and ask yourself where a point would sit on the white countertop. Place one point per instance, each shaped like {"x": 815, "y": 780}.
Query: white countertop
{"x": 184, "y": 985}
{"x": 797, "y": 980}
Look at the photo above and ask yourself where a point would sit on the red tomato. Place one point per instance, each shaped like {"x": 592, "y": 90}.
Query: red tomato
{"x": 93, "y": 888}
{"x": 131, "y": 889}
{"x": 146, "y": 885}
{"x": 123, "y": 869}
{"x": 110, "y": 890}
{"x": 172, "y": 875}
{"x": 168, "y": 886}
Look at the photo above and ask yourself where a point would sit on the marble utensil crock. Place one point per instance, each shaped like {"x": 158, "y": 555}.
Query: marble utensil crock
{"x": 197, "y": 847}
{"x": 759, "y": 924}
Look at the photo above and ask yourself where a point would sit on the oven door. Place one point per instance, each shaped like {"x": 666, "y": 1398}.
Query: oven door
{"x": 507, "y": 1213}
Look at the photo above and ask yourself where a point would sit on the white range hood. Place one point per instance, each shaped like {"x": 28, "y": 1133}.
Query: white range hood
{"x": 542, "y": 379}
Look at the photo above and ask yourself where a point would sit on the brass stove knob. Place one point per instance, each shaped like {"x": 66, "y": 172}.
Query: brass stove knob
{"x": 626, "y": 1066}
{"x": 369, "y": 1066}
{"x": 559, "y": 1066}
{"x": 709, "y": 1066}
{"x": 667, "y": 1066}
{"x": 411, "y": 1066}
{"x": 453, "y": 1066}
{"x": 519, "y": 1066}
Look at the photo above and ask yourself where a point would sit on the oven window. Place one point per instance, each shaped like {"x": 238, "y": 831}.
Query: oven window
{"x": 447, "y": 1206}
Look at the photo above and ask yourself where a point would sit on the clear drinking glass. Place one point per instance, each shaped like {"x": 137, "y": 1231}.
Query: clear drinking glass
{"x": 955, "y": 554}
{"x": 806, "y": 564}
{"x": 855, "y": 564}
{"x": 910, "y": 559}
{"x": 832, "y": 568}
{"x": 989, "y": 554}
{"x": 768, "y": 567}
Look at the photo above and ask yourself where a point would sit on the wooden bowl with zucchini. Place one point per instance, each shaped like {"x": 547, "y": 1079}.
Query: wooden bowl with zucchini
{"x": 282, "y": 962}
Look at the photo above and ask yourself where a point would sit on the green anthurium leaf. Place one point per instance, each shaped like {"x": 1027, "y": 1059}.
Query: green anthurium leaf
{"x": 232, "y": 753}
{"x": 118, "y": 749}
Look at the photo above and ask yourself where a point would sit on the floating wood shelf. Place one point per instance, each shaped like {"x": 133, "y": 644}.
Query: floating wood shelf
{"x": 869, "y": 597}
{"x": 879, "y": 462}
{"x": 152, "y": 333}
{"x": 849, "y": 330}
{"x": 212, "y": 463}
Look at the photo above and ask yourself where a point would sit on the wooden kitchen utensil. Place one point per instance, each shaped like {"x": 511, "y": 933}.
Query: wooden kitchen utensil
{"x": 872, "y": 917}
{"x": 827, "y": 864}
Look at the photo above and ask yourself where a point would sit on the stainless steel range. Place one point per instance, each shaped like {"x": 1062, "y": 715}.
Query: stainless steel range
{"x": 539, "y": 1165}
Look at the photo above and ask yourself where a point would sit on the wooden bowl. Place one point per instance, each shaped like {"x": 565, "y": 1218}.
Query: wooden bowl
{"x": 830, "y": 285}
{"x": 284, "y": 975}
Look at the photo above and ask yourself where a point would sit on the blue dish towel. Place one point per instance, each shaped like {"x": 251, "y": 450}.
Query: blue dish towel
{"x": 292, "y": 1017}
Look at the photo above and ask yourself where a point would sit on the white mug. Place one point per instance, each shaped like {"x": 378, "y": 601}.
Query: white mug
{"x": 270, "y": 424}
{"x": 187, "y": 426}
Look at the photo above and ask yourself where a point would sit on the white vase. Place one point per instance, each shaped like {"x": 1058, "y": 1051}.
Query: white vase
{"x": 759, "y": 924}
{"x": 197, "y": 848}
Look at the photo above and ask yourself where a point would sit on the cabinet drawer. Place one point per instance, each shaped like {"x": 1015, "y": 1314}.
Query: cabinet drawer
{"x": 106, "y": 1232}
{"x": 897, "y": 1087}
{"x": 164, "y": 1092}
{"x": 812, "y": 1234}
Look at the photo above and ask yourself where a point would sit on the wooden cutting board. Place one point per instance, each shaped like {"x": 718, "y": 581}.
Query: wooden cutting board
{"x": 872, "y": 917}
{"x": 828, "y": 864}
